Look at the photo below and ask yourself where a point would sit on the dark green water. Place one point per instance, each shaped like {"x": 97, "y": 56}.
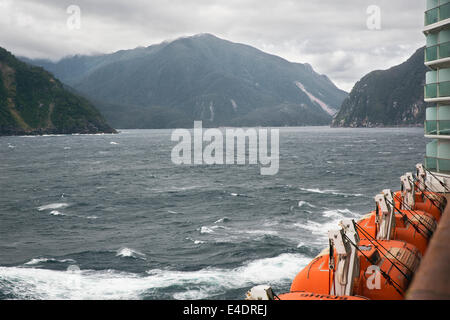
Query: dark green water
{"x": 139, "y": 227}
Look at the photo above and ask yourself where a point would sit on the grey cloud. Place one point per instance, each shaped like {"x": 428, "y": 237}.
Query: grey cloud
{"x": 330, "y": 35}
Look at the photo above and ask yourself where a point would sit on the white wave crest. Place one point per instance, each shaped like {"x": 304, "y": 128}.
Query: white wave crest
{"x": 319, "y": 229}
{"x": 304, "y": 203}
{"x": 338, "y": 213}
{"x": 261, "y": 232}
{"x": 53, "y": 206}
{"x": 31, "y": 283}
{"x": 130, "y": 253}
{"x": 206, "y": 230}
{"x": 333, "y": 192}
{"x": 196, "y": 241}
{"x": 41, "y": 260}
{"x": 223, "y": 220}
{"x": 56, "y": 213}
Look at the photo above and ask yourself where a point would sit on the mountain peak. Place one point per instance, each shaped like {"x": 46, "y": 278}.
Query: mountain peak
{"x": 200, "y": 36}
{"x": 389, "y": 97}
{"x": 32, "y": 101}
{"x": 201, "y": 77}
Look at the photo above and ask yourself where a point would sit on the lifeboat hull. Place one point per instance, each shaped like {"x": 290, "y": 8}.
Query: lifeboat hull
{"x": 404, "y": 260}
{"x": 423, "y": 204}
{"x": 314, "y": 296}
{"x": 418, "y": 235}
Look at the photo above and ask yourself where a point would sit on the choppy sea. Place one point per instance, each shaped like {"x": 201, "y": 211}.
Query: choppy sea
{"x": 111, "y": 217}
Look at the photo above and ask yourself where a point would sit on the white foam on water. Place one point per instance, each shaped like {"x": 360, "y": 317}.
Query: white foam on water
{"x": 339, "y": 213}
{"x": 130, "y": 253}
{"x": 305, "y": 203}
{"x": 205, "y": 229}
{"x": 53, "y": 206}
{"x": 301, "y": 244}
{"x": 56, "y": 213}
{"x": 222, "y": 220}
{"x": 270, "y": 223}
{"x": 221, "y": 234}
{"x": 41, "y": 260}
{"x": 31, "y": 283}
{"x": 261, "y": 232}
{"x": 320, "y": 229}
{"x": 333, "y": 192}
{"x": 316, "y": 190}
{"x": 86, "y": 217}
{"x": 196, "y": 241}
{"x": 113, "y": 143}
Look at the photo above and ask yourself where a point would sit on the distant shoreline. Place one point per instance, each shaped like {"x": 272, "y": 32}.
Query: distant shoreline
{"x": 380, "y": 126}
{"x": 117, "y": 131}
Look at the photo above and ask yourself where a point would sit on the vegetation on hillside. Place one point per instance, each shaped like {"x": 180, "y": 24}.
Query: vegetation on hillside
{"x": 391, "y": 97}
{"x": 33, "y": 101}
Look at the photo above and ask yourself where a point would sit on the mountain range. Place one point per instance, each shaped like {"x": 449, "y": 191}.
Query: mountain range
{"x": 202, "y": 77}
{"x": 199, "y": 78}
{"x": 33, "y": 101}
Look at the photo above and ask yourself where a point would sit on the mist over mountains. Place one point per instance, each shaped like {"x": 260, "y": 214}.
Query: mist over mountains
{"x": 222, "y": 83}
{"x": 199, "y": 78}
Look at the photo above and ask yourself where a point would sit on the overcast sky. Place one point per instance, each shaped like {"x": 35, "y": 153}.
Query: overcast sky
{"x": 331, "y": 35}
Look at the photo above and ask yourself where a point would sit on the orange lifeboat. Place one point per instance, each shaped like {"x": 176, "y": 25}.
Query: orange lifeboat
{"x": 426, "y": 205}
{"x": 411, "y": 197}
{"x": 404, "y": 231}
{"x": 389, "y": 223}
{"x": 379, "y": 269}
{"x": 265, "y": 292}
{"x": 376, "y": 257}
{"x": 315, "y": 296}
{"x": 424, "y": 194}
